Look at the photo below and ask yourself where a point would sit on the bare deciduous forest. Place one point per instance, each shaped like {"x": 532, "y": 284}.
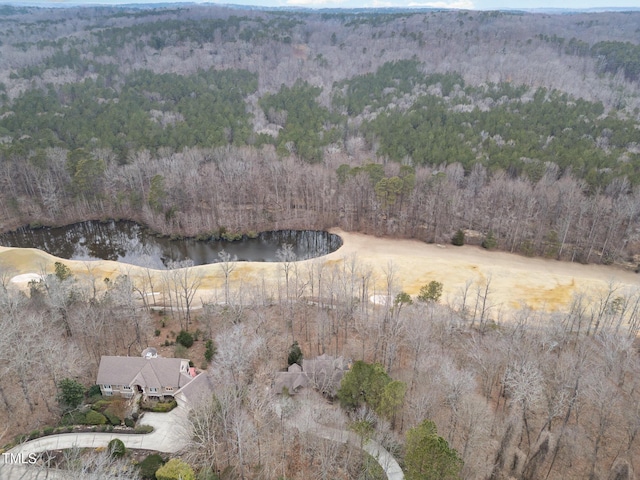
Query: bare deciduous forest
{"x": 204, "y": 121}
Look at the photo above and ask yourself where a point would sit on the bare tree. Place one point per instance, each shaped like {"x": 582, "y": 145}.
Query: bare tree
{"x": 228, "y": 265}
{"x": 187, "y": 280}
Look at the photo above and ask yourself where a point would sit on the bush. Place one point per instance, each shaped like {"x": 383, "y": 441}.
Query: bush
{"x": 116, "y": 448}
{"x": 94, "y": 418}
{"x": 209, "y": 350}
{"x": 74, "y": 418}
{"x": 94, "y": 390}
{"x": 129, "y": 422}
{"x": 100, "y": 405}
{"x": 143, "y": 429}
{"x": 185, "y": 338}
{"x": 160, "y": 407}
{"x": 157, "y": 333}
{"x": 175, "y": 469}
{"x": 150, "y": 465}
{"x": 34, "y": 434}
{"x": 489, "y": 241}
{"x": 458, "y": 239}
{"x": 48, "y": 430}
{"x": 112, "y": 417}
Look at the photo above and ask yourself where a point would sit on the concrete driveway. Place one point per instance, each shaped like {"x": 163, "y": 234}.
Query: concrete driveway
{"x": 169, "y": 436}
{"x": 306, "y": 423}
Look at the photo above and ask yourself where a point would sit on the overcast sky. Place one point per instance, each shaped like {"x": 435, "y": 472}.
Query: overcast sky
{"x": 463, "y": 4}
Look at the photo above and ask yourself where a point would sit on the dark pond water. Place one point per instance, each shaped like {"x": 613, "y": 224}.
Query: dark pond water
{"x": 131, "y": 243}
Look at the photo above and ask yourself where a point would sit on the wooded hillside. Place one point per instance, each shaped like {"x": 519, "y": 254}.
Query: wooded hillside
{"x": 425, "y": 124}
{"x": 191, "y": 120}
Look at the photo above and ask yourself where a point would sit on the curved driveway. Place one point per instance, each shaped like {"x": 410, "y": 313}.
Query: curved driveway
{"x": 168, "y": 436}
{"x": 308, "y": 424}
{"x": 388, "y": 463}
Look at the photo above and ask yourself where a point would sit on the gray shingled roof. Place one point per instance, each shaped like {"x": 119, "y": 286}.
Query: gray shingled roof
{"x": 291, "y": 380}
{"x": 199, "y": 389}
{"x": 151, "y": 372}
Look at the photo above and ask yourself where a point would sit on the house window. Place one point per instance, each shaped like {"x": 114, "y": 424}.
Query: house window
{"x": 126, "y": 387}
{"x": 153, "y": 390}
{"x": 106, "y": 387}
{"x": 168, "y": 389}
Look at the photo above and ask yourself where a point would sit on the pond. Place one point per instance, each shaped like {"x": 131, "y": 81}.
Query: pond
{"x": 129, "y": 242}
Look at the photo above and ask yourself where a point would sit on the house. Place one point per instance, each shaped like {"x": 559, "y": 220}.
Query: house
{"x": 150, "y": 376}
{"x": 293, "y": 380}
{"x": 198, "y": 390}
{"x": 323, "y": 373}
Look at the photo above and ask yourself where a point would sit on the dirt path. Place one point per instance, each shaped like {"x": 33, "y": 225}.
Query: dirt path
{"x": 515, "y": 280}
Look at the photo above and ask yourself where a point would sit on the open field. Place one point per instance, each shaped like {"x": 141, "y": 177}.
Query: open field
{"x": 516, "y": 281}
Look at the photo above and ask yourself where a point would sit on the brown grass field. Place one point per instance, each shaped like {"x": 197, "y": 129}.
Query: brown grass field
{"x": 516, "y": 281}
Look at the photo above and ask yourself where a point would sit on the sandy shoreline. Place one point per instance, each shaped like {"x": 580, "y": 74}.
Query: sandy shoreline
{"x": 515, "y": 280}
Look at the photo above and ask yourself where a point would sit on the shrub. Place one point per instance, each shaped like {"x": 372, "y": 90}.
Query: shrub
{"x": 129, "y": 422}
{"x": 143, "y": 429}
{"x": 74, "y": 418}
{"x": 116, "y": 448}
{"x": 95, "y": 418}
{"x": 100, "y": 405}
{"x": 175, "y": 469}
{"x": 94, "y": 390}
{"x": 458, "y": 238}
{"x": 160, "y": 407}
{"x": 185, "y": 338}
{"x": 157, "y": 333}
{"x": 48, "y": 430}
{"x": 209, "y": 350}
{"x": 34, "y": 434}
{"x": 489, "y": 241}
{"x": 150, "y": 465}
{"x": 112, "y": 417}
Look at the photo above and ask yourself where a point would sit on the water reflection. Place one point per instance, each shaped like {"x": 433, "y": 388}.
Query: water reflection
{"x": 131, "y": 243}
